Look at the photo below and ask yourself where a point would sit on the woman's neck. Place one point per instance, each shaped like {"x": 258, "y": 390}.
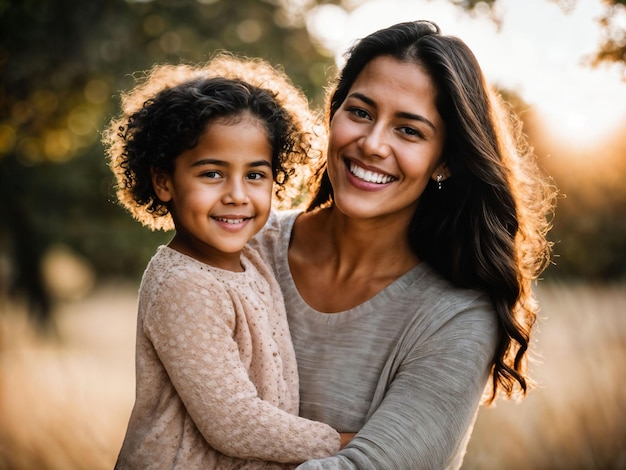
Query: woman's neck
{"x": 338, "y": 263}
{"x": 369, "y": 244}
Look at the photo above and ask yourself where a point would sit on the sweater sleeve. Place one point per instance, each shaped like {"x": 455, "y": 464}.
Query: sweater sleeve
{"x": 191, "y": 329}
{"x": 429, "y": 401}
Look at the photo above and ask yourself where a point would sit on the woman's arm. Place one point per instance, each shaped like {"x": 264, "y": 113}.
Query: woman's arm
{"x": 192, "y": 331}
{"x": 429, "y": 403}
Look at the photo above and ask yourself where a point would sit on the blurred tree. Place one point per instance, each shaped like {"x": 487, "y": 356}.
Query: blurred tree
{"x": 61, "y": 62}
{"x": 62, "y": 66}
{"x": 590, "y": 223}
{"x": 612, "y": 49}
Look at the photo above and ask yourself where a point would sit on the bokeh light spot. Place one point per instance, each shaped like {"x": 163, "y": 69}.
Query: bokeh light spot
{"x": 8, "y": 139}
{"x": 97, "y": 91}
{"x": 81, "y": 121}
{"x": 154, "y": 25}
{"x": 28, "y": 151}
{"x": 249, "y": 31}
{"x": 58, "y": 145}
{"x": 170, "y": 42}
{"x": 44, "y": 101}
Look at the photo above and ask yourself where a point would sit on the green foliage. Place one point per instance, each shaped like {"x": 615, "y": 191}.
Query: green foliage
{"x": 63, "y": 64}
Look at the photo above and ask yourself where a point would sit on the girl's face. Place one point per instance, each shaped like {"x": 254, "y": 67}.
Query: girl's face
{"x": 385, "y": 141}
{"x": 220, "y": 193}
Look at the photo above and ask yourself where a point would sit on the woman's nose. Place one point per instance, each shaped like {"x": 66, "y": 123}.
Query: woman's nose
{"x": 375, "y": 142}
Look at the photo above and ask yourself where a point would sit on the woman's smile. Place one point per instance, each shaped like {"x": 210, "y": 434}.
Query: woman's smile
{"x": 385, "y": 146}
{"x": 369, "y": 175}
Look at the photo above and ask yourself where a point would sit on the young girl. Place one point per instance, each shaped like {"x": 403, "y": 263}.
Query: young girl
{"x": 217, "y": 384}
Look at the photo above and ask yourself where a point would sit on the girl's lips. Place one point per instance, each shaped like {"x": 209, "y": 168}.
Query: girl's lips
{"x": 367, "y": 178}
{"x": 233, "y": 222}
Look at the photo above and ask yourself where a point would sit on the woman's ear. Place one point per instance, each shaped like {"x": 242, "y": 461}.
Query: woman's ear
{"x": 441, "y": 173}
{"x": 162, "y": 184}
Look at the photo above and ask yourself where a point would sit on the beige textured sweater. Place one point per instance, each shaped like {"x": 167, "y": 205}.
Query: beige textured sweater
{"x": 217, "y": 384}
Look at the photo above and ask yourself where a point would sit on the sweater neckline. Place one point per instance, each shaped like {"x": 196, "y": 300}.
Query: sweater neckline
{"x": 398, "y": 288}
{"x": 219, "y": 273}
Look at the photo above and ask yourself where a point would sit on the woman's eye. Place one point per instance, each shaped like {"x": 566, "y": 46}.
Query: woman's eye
{"x": 411, "y": 132}
{"x": 359, "y": 113}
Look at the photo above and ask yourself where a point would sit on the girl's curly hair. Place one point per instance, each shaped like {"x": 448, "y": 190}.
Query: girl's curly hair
{"x": 170, "y": 108}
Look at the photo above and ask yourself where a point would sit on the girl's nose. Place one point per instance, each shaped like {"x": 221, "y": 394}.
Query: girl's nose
{"x": 235, "y": 193}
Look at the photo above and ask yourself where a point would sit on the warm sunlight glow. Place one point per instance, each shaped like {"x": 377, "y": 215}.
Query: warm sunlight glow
{"x": 539, "y": 52}
{"x": 581, "y": 124}
{"x": 575, "y": 121}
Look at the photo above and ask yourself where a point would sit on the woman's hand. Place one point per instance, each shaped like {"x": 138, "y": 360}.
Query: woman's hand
{"x": 346, "y": 437}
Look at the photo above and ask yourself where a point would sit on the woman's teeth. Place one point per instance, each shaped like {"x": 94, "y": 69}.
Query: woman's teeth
{"x": 369, "y": 176}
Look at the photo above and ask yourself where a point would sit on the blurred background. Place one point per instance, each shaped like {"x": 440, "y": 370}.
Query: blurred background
{"x": 71, "y": 258}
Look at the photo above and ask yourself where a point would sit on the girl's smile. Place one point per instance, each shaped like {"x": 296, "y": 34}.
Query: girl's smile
{"x": 220, "y": 192}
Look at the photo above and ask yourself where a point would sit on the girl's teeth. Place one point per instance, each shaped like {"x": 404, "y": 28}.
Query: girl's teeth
{"x": 369, "y": 176}
{"x": 230, "y": 221}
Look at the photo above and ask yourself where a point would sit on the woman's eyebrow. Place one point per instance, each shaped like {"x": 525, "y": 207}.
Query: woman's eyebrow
{"x": 416, "y": 117}
{"x": 401, "y": 114}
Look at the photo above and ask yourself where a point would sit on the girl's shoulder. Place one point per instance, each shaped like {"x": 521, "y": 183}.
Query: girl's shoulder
{"x": 275, "y": 235}
{"x": 169, "y": 269}
{"x": 279, "y": 221}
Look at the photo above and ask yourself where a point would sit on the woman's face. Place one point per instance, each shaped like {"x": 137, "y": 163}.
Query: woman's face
{"x": 385, "y": 141}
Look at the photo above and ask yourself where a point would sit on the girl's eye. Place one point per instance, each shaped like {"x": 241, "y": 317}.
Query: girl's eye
{"x": 211, "y": 175}
{"x": 256, "y": 175}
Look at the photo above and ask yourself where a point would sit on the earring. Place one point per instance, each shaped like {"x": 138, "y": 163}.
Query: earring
{"x": 439, "y": 180}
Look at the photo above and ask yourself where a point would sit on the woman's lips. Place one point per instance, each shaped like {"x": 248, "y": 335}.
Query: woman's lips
{"x": 368, "y": 176}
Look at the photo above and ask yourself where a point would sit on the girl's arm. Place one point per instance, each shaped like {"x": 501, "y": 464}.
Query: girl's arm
{"x": 192, "y": 331}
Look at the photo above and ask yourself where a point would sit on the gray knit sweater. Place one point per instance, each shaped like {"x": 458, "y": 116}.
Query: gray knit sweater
{"x": 217, "y": 385}
{"x": 406, "y": 369}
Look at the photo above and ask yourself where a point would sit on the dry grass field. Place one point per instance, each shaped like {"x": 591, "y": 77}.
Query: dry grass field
{"x": 64, "y": 403}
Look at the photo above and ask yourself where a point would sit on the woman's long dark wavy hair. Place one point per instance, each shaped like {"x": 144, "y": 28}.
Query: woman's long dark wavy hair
{"x": 486, "y": 229}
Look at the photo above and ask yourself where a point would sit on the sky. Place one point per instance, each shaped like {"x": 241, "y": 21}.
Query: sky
{"x": 538, "y": 52}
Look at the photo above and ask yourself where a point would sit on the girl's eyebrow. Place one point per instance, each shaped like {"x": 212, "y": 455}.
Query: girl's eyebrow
{"x": 401, "y": 114}
{"x": 223, "y": 163}
{"x": 210, "y": 161}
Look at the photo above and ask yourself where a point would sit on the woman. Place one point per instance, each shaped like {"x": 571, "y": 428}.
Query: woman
{"x": 407, "y": 279}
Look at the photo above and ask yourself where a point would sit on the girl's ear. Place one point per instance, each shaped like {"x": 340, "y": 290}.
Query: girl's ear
{"x": 443, "y": 171}
{"x": 162, "y": 184}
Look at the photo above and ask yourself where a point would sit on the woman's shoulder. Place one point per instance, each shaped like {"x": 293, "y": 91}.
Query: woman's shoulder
{"x": 450, "y": 300}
